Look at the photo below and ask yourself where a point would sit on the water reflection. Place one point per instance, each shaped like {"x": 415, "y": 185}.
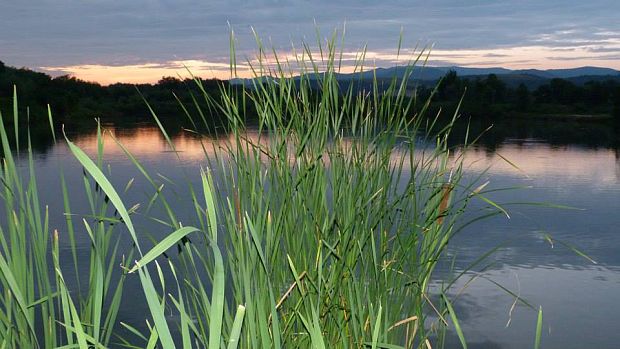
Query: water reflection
{"x": 589, "y": 134}
{"x": 145, "y": 143}
{"x": 563, "y": 164}
{"x": 531, "y": 158}
{"x": 576, "y": 305}
{"x": 535, "y": 159}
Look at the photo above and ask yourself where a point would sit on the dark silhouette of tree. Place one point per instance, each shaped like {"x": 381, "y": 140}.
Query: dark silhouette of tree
{"x": 169, "y": 82}
{"x": 522, "y": 98}
{"x": 73, "y": 99}
{"x": 490, "y": 96}
{"x": 495, "y": 89}
{"x": 450, "y": 87}
{"x": 616, "y": 99}
{"x": 594, "y": 93}
{"x": 562, "y": 91}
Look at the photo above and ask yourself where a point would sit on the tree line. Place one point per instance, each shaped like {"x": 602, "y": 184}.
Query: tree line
{"x": 72, "y": 99}
{"x": 489, "y": 96}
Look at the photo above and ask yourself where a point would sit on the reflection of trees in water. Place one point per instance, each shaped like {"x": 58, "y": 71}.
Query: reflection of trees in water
{"x": 590, "y": 134}
{"x": 594, "y": 135}
{"x": 41, "y": 139}
{"x": 617, "y": 156}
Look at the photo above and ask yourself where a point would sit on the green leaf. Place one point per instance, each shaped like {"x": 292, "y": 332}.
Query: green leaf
{"x": 106, "y": 186}
{"x": 14, "y": 289}
{"x": 455, "y": 321}
{"x": 217, "y": 300}
{"x": 235, "y": 332}
{"x": 375, "y": 334}
{"x": 162, "y": 247}
{"x": 156, "y": 309}
{"x": 384, "y": 345}
{"x": 538, "y": 329}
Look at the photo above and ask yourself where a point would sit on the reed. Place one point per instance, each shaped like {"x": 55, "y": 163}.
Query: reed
{"x": 318, "y": 223}
{"x": 36, "y": 307}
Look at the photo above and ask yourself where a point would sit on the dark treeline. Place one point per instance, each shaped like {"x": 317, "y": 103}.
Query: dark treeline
{"x": 491, "y": 97}
{"x": 72, "y": 100}
{"x": 487, "y": 100}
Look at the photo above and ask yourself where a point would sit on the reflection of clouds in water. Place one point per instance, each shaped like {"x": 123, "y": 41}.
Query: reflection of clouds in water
{"x": 574, "y": 293}
{"x": 541, "y": 161}
{"x": 535, "y": 160}
{"x": 617, "y": 157}
{"x": 519, "y": 242}
{"x": 144, "y": 143}
{"x": 148, "y": 143}
{"x": 571, "y": 300}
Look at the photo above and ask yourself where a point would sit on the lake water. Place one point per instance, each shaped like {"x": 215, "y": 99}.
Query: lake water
{"x": 565, "y": 163}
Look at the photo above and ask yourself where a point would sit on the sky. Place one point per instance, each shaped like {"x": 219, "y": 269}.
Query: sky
{"x": 141, "y": 40}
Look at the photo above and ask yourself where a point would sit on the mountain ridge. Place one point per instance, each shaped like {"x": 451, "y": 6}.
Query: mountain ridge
{"x": 513, "y": 77}
{"x": 434, "y": 73}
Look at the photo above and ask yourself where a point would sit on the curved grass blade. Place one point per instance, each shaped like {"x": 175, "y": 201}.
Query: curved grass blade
{"x": 14, "y": 289}
{"x": 162, "y": 247}
{"x": 455, "y": 321}
{"x": 156, "y": 309}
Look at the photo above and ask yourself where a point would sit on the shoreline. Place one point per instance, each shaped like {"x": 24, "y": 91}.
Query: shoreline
{"x": 562, "y": 117}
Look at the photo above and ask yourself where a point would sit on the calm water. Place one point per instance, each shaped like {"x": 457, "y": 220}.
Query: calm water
{"x": 569, "y": 164}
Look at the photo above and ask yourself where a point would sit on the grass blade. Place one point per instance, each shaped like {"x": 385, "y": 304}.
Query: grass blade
{"x": 455, "y": 321}
{"x": 235, "y": 332}
{"x": 538, "y": 329}
{"x": 162, "y": 247}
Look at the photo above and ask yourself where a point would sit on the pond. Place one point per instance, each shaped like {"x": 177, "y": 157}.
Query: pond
{"x": 560, "y": 248}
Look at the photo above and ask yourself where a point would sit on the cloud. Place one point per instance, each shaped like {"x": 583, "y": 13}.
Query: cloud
{"x": 608, "y": 33}
{"x": 145, "y": 73}
{"x": 600, "y": 49}
{"x": 48, "y": 33}
{"x": 495, "y": 55}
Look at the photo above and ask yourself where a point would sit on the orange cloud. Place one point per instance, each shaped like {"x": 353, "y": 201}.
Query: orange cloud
{"x": 146, "y": 73}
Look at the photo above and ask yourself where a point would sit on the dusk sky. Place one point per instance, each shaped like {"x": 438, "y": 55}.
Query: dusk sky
{"x": 141, "y": 40}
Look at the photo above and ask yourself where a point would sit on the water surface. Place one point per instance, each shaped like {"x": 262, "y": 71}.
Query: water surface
{"x": 570, "y": 164}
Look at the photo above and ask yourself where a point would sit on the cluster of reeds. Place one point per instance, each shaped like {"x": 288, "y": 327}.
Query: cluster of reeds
{"x": 319, "y": 225}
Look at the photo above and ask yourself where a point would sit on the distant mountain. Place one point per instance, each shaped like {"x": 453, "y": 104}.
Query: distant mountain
{"x": 582, "y": 71}
{"x": 428, "y": 75}
{"x": 466, "y": 71}
{"x": 544, "y": 74}
{"x": 532, "y": 78}
{"x": 424, "y": 73}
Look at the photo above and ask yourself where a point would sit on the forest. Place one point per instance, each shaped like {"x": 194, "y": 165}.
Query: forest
{"x": 489, "y": 96}
{"x": 72, "y": 99}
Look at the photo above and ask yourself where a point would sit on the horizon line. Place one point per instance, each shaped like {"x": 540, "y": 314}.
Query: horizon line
{"x": 217, "y": 71}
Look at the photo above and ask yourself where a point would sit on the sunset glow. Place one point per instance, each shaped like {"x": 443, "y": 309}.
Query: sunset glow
{"x": 142, "y": 41}
{"x": 523, "y": 57}
{"x": 145, "y": 73}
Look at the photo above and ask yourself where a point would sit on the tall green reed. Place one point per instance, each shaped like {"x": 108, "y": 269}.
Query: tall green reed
{"x": 334, "y": 210}
{"x": 318, "y": 223}
{"x": 35, "y": 300}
